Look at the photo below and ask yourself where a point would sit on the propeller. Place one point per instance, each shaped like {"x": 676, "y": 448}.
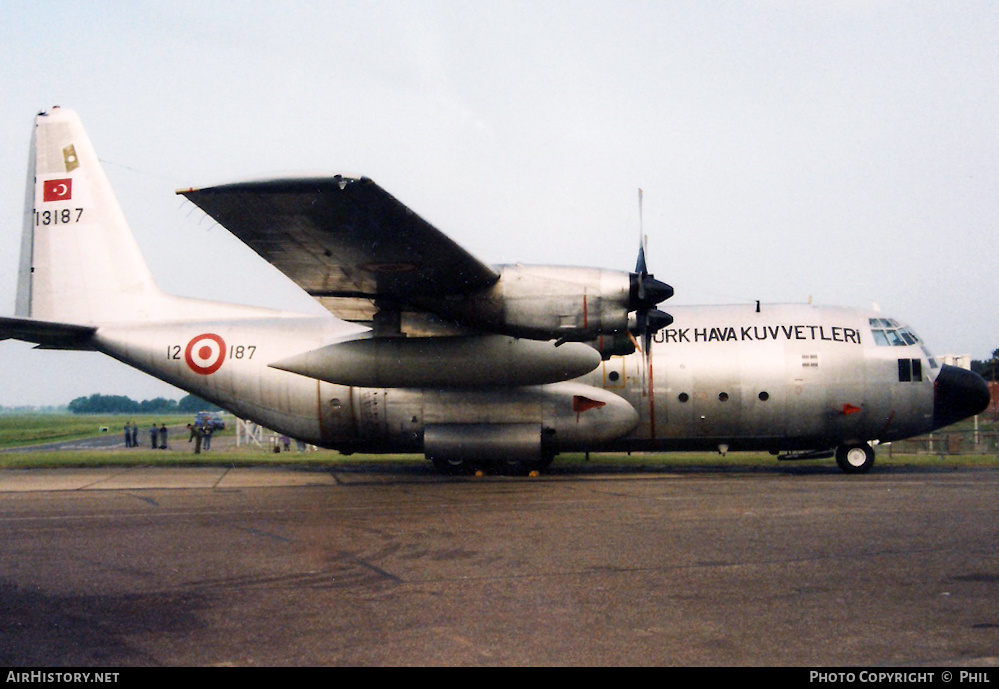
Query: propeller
{"x": 645, "y": 293}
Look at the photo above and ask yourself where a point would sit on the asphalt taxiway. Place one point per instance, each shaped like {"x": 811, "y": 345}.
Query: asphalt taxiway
{"x": 248, "y": 567}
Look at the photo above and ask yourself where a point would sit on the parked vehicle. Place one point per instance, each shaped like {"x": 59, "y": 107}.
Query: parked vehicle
{"x": 209, "y": 419}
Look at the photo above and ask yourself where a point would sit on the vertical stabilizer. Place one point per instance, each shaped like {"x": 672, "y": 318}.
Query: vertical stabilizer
{"x": 79, "y": 260}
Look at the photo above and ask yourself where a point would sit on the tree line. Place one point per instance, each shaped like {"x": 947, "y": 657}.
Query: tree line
{"x": 987, "y": 369}
{"x": 119, "y": 404}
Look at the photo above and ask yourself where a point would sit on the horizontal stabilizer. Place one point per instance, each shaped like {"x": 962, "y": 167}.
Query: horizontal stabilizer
{"x": 46, "y": 334}
{"x": 453, "y": 362}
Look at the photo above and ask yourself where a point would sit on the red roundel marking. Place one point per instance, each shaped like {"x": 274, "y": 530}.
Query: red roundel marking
{"x": 205, "y": 353}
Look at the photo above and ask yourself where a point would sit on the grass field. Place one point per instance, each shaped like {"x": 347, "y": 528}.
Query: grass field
{"x": 18, "y": 430}
{"x": 22, "y": 431}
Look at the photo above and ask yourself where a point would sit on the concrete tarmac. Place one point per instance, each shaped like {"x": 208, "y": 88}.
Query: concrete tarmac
{"x": 259, "y": 567}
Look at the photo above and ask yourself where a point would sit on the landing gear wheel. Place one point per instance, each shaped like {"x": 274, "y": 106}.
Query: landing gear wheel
{"x": 451, "y": 467}
{"x": 855, "y": 459}
{"x": 509, "y": 467}
{"x": 524, "y": 467}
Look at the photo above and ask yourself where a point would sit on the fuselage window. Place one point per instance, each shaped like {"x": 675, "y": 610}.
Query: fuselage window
{"x": 723, "y": 396}
{"x": 764, "y": 396}
{"x": 683, "y": 397}
{"x": 910, "y": 370}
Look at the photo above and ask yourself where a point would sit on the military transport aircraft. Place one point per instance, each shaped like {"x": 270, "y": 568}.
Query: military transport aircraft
{"x": 427, "y": 349}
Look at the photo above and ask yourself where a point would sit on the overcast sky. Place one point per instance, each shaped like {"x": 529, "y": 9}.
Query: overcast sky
{"x": 845, "y": 152}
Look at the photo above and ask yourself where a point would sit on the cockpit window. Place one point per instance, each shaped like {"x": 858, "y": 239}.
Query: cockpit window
{"x": 930, "y": 358}
{"x": 890, "y": 333}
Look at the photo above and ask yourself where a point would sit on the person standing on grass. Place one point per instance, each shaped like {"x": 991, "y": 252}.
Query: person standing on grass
{"x": 128, "y": 434}
{"x": 135, "y": 434}
{"x": 196, "y": 435}
{"x": 163, "y": 437}
{"x": 152, "y": 435}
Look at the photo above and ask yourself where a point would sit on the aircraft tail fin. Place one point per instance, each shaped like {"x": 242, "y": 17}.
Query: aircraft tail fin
{"x": 80, "y": 263}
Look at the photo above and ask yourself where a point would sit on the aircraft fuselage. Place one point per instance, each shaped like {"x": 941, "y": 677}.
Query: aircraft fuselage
{"x": 785, "y": 377}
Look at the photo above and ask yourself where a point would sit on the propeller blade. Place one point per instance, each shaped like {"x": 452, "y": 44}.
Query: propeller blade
{"x": 631, "y": 336}
{"x": 641, "y": 268}
{"x": 651, "y": 321}
{"x": 644, "y": 294}
{"x": 646, "y": 291}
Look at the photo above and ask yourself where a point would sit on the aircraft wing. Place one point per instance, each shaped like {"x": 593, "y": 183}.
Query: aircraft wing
{"x": 345, "y": 238}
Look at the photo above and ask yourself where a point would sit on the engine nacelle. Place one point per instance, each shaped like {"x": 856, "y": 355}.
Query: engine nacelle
{"x": 615, "y": 344}
{"x": 545, "y": 303}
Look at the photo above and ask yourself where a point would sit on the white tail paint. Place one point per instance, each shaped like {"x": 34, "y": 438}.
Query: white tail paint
{"x": 85, "y": 266}
{"x": 80, "y": 263}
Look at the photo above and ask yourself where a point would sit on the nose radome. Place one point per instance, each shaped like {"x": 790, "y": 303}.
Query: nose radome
{"x": 958, "y": 394}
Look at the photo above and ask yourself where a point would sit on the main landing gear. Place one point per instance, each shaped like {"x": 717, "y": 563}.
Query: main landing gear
{"x": 855, "y": 459}
{"x": 514, "y": 466}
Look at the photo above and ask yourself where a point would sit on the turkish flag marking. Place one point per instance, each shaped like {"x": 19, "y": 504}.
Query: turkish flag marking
{"x": 57, "y": 189}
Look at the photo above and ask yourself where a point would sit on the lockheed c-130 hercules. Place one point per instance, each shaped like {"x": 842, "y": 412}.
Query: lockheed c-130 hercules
{"x": 426, "y": 349}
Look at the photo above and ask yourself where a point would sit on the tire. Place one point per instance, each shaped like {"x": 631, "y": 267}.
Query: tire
{"x": 855, "y": 459}
{"x": 524, "y": 467}
{"x": 451, "y": 467}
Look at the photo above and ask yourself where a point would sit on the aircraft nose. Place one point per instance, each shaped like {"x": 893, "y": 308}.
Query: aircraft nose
{"x": 958, "y": 394}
